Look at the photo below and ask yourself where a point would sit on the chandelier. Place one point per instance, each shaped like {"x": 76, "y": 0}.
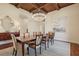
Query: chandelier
{"x": 39, "y": 15}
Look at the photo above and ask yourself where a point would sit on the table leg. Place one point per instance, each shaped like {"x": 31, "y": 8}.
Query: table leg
{"x": 22, "y": 49}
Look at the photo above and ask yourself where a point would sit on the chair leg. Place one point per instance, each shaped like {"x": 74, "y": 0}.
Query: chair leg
{"x": 35, "y": 52}
{"x": 13, "y": 52}
{"x": 51, "y": 41}
{"x": 28, "y": 50}
{"x": 45, "y": 45}
{"x": 40, "y": 49}
{"x": 48, "y": 44}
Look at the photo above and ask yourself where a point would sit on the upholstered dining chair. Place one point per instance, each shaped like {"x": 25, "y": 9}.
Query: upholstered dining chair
{"x": 34, "y": 34}
{"x": 45, "y": 40}
{"x": 14, "y": 44}
{"x": 51, "y": 37}
{"x": 35, "y": 44}
{"x": 26, "y": 36}
{"x": 39, "y": 33}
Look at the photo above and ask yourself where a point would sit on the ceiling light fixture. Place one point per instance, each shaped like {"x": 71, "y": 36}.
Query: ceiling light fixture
{"x": 39, "y": 15}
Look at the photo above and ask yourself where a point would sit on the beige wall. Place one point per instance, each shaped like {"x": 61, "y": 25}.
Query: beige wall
{"x": 22, "y": 19}
{"x": 13, "y": 14}
{"x": 70, "y": 15}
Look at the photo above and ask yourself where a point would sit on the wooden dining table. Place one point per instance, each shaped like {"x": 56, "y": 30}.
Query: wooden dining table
{"x": 23, "y": 41}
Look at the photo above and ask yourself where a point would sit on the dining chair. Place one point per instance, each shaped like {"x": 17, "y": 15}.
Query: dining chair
{"x": 36, "y": 44}
{"x": 14, "y": 44}
{"x": 34, "y": 34}
{"x": 39, "y": 33}
{"x": 26, "y": 36}
{"x": 51, "y": 37}
{"x": 45, "y": 40}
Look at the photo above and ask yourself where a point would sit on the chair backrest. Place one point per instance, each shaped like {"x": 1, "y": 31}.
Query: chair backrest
{"x": 39, "y": 33}
{"x": 14, "y": 41}
{"x": 38, "y": 40}
{"x": 34, "y": 34}
{"x": 26, "y": 35}
{"x": 52, "y": 35}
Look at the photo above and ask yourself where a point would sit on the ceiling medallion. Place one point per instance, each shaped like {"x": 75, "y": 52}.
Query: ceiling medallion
{"x": 39, "y": 16}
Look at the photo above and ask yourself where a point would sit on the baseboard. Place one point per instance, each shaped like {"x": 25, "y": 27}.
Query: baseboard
{"x": 67, "y": 42}
{"x": 62, "y": 41}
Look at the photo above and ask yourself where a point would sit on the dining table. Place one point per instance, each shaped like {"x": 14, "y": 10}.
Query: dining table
{"x": 24, "y": 41}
